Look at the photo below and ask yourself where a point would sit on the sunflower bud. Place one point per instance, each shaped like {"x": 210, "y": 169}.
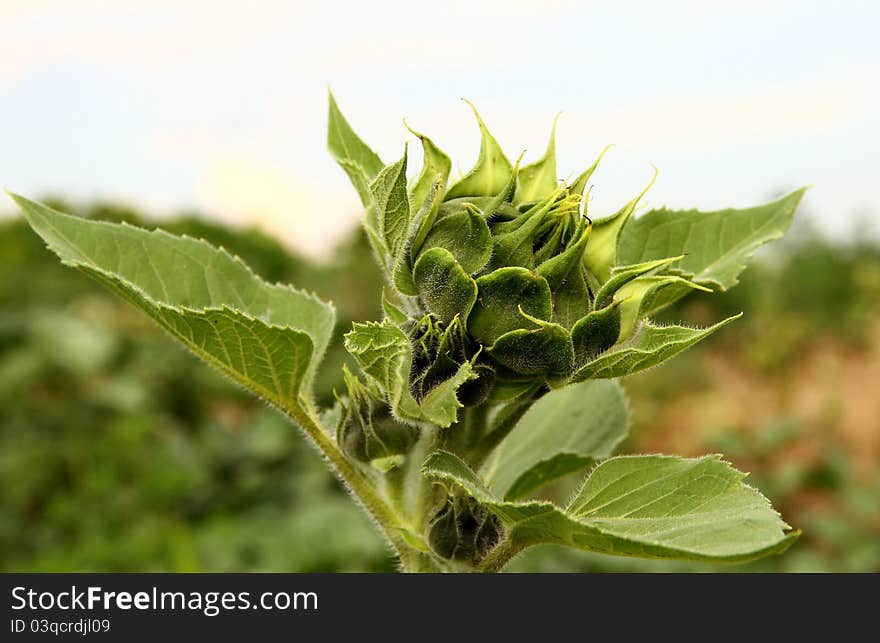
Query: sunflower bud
{"x": 463, "y": 530}
{"x": 367, "y": 431}
{"x": 505, "y": 264}
{"x": 439, "y": 350}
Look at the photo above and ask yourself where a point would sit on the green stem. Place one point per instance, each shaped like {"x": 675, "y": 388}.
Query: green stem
{"x": 462, "y": 435}
{"x": 499, "y": 557}
{"x": 475, "y": 424}
{"x": 416, "y": 562}
{"x": 394, "y": 486}
{"x": 424, "y": 488}
{"x": 360, "y": 486}
{"x": 504, "y": 423}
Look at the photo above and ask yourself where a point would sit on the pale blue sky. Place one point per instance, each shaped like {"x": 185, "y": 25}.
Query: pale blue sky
{"x": 184, "y": 104}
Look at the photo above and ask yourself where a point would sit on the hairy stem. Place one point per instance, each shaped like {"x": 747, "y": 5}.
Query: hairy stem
{"x": 360, "y": 486}
{"x": 475, "y": 424}
{"x": 394, "y": 486}
{"x": 416, "y": 562}
{"x": 499, "y": 557}
{"x": 423, "y": 488}
{"x": 504, "y": 423}
{"x": 462, "y": 435}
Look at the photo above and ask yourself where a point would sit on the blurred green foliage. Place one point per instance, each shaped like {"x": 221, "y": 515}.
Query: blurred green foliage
{"x": 119, "y": 452}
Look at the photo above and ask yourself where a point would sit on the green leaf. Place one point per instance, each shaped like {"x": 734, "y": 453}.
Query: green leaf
{"x": 537, "y": 180}
{"x": 448, "y": 466}
{"x": 445, "y": 288}
{"x": 441, "y": 405}
{"x": 383, "y": 351}
{"x": 566, "y": 430}
{"x": 361, "y": 182}
{"x": 636, "y": 298}
{"x": 715, "y": 245}
{"x": 649, "y": 346}
{"x": 361, "y": 164}
{"x": 490, "y": 174}
{"x": 648, "y": 506}
{"x": 500, "y": 297}
{"x": 622, "y": 275}
{"x": 602, "y": 254}
{"x": 418, "y": 230}
{"x": 356, "y": 158}
{"x": 392, "y": 313}
{"x": 270, "y": 338}
{"x": 688, "y": 507}
{"x": 392, "y": 205}
{"x": 435, "y": 169}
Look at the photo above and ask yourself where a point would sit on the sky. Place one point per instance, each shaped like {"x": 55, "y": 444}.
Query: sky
{"x": 220, "y": 107}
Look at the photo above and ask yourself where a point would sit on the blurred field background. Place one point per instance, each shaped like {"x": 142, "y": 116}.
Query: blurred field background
{"x": 118, "y": 451}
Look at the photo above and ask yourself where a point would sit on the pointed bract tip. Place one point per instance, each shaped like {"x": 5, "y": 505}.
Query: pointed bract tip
{"x": 553, "y": 128}
{"x": 543, "y": 323}
{"x": 696, "y": 286}
{"x": 799, "y": 193}
{"x": 480, "y": 121}
{"x": 21, "y": 201}
{"x": 647, "y": 187}
{"x": 414, "y": 132}
{"x": 602, "y": 154}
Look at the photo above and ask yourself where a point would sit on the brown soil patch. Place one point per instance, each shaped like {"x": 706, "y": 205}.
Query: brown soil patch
{"x": 833, "y": 390}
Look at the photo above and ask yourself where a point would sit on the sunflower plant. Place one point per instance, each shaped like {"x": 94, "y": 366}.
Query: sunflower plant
{"x": 510, "y": 313}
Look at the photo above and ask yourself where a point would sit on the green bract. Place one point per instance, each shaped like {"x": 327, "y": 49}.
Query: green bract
{"x": 509, "y": 312}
